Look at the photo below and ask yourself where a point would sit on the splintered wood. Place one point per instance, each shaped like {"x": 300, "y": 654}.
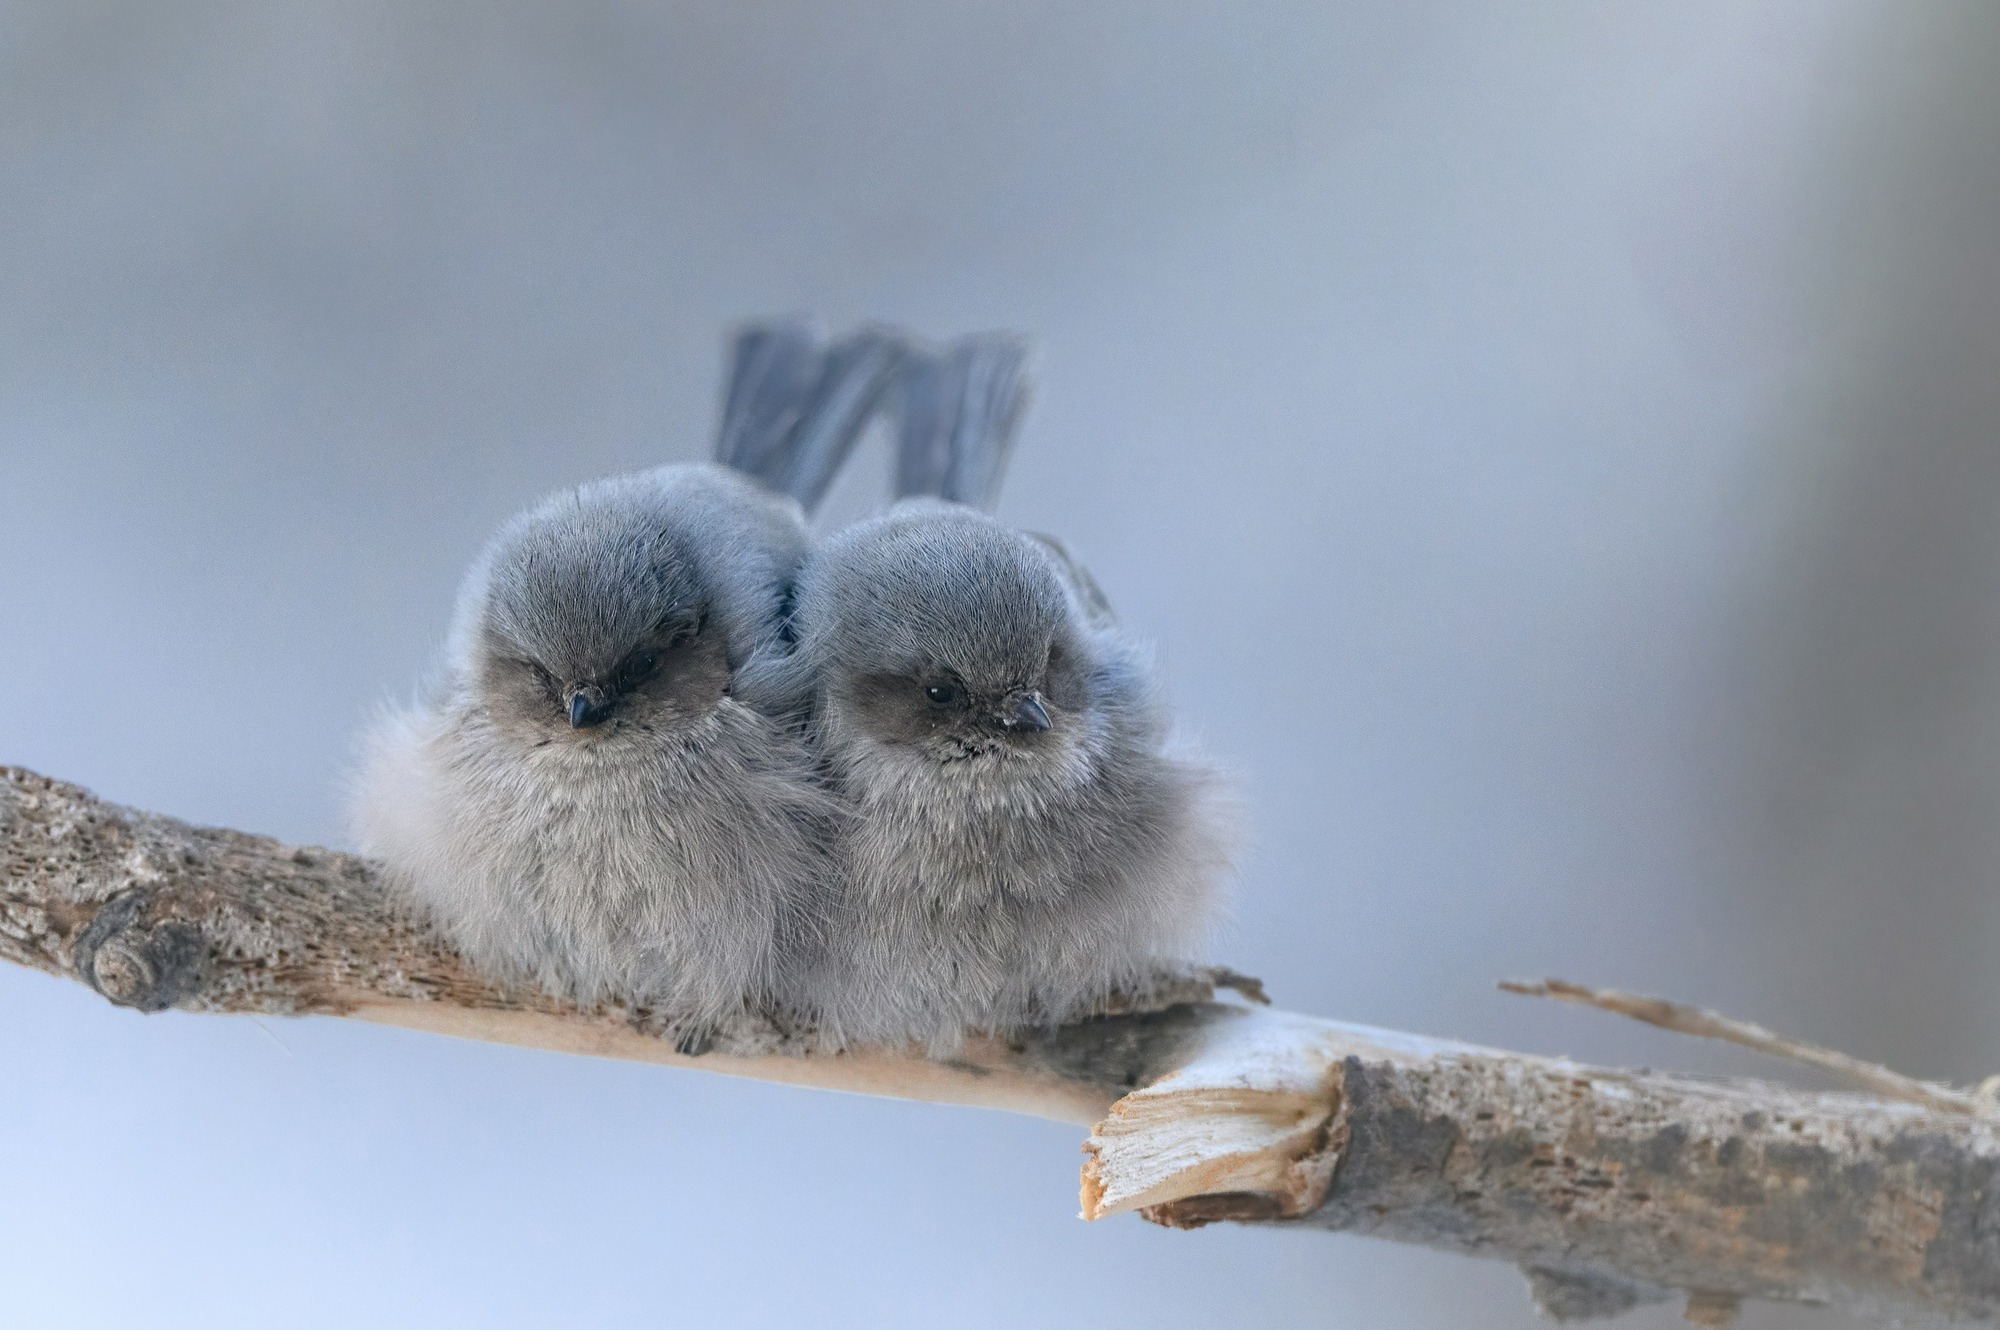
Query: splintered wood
{"x": 1608, "y": 1188}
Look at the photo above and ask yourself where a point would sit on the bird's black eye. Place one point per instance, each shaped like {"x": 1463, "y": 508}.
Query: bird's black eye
{"x": 637, "y": 670}
{"x": 941, "y": 694}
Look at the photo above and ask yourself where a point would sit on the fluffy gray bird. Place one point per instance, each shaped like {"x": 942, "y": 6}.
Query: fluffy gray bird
{"x": 1020, "y": 841}
{"x": 584, "y": 803}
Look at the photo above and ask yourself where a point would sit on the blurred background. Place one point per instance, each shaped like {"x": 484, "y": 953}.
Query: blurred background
{"x": 1553, "y": 448}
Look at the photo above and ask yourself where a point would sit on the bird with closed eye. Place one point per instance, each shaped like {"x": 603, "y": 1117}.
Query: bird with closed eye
{"x": 584, "y": 803}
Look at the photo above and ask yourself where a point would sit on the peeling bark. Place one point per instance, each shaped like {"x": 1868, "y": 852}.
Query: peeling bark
{"x": 1609, "y": 1188}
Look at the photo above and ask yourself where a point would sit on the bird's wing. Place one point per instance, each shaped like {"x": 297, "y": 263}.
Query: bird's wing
{"x": 1096, "y": 605}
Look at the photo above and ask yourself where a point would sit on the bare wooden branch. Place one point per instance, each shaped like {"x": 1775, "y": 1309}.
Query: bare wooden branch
{"x": 1609, "y": 1188}
{"x": 1705, "y": 1024}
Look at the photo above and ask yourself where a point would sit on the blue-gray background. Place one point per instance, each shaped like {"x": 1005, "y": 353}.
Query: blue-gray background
{"x": 1553, "y": 447}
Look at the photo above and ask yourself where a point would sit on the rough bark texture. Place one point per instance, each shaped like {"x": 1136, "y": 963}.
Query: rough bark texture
{"x": 153, "y": 913}
{"x": 1728, "y": 1191}
{"x": 1609, "y": 1188}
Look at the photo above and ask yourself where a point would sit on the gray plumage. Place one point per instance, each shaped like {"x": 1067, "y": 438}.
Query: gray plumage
{"x": 585, "y": 803}
{"x": 1020, "y": 841}
{"x": 795, "y": 407}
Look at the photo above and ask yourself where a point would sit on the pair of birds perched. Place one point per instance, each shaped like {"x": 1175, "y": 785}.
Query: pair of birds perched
{"x": 905, "y": 785}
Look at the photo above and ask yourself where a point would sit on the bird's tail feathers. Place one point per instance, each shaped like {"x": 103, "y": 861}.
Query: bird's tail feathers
{"x": 795, "y": 407}
{"x": 771, "y": 368}
{"x": 956, "y": 415}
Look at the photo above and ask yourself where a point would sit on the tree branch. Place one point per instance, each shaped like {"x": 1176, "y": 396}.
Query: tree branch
{"x": 1610, "y": 1188}
{"x": 1705, "y": 1024}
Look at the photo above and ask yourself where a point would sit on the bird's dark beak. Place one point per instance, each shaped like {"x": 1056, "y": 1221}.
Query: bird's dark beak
{"x": 1028, "y": 715}
{"x": 587, "y": 706}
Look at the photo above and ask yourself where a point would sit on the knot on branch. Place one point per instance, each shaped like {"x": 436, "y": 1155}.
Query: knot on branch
{"x": 136, "y": 964}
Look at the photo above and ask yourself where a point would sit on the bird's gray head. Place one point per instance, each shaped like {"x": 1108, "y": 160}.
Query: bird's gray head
{"x": 596, "y": 621}
{"x": 938, "y": 630}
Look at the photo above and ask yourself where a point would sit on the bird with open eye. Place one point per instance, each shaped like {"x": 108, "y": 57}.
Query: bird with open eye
{"x": 584, "y": 803}
{"x": 1021, "y": 842}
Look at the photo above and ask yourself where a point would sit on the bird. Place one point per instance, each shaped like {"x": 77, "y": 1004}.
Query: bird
{"x": 582, "y": 801}
{"x": 1021, "y": 839}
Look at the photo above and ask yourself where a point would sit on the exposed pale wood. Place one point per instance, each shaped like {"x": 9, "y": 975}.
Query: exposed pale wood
{"x": 1609, "y": 1188}
{"x": 1252, "y": 1112}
